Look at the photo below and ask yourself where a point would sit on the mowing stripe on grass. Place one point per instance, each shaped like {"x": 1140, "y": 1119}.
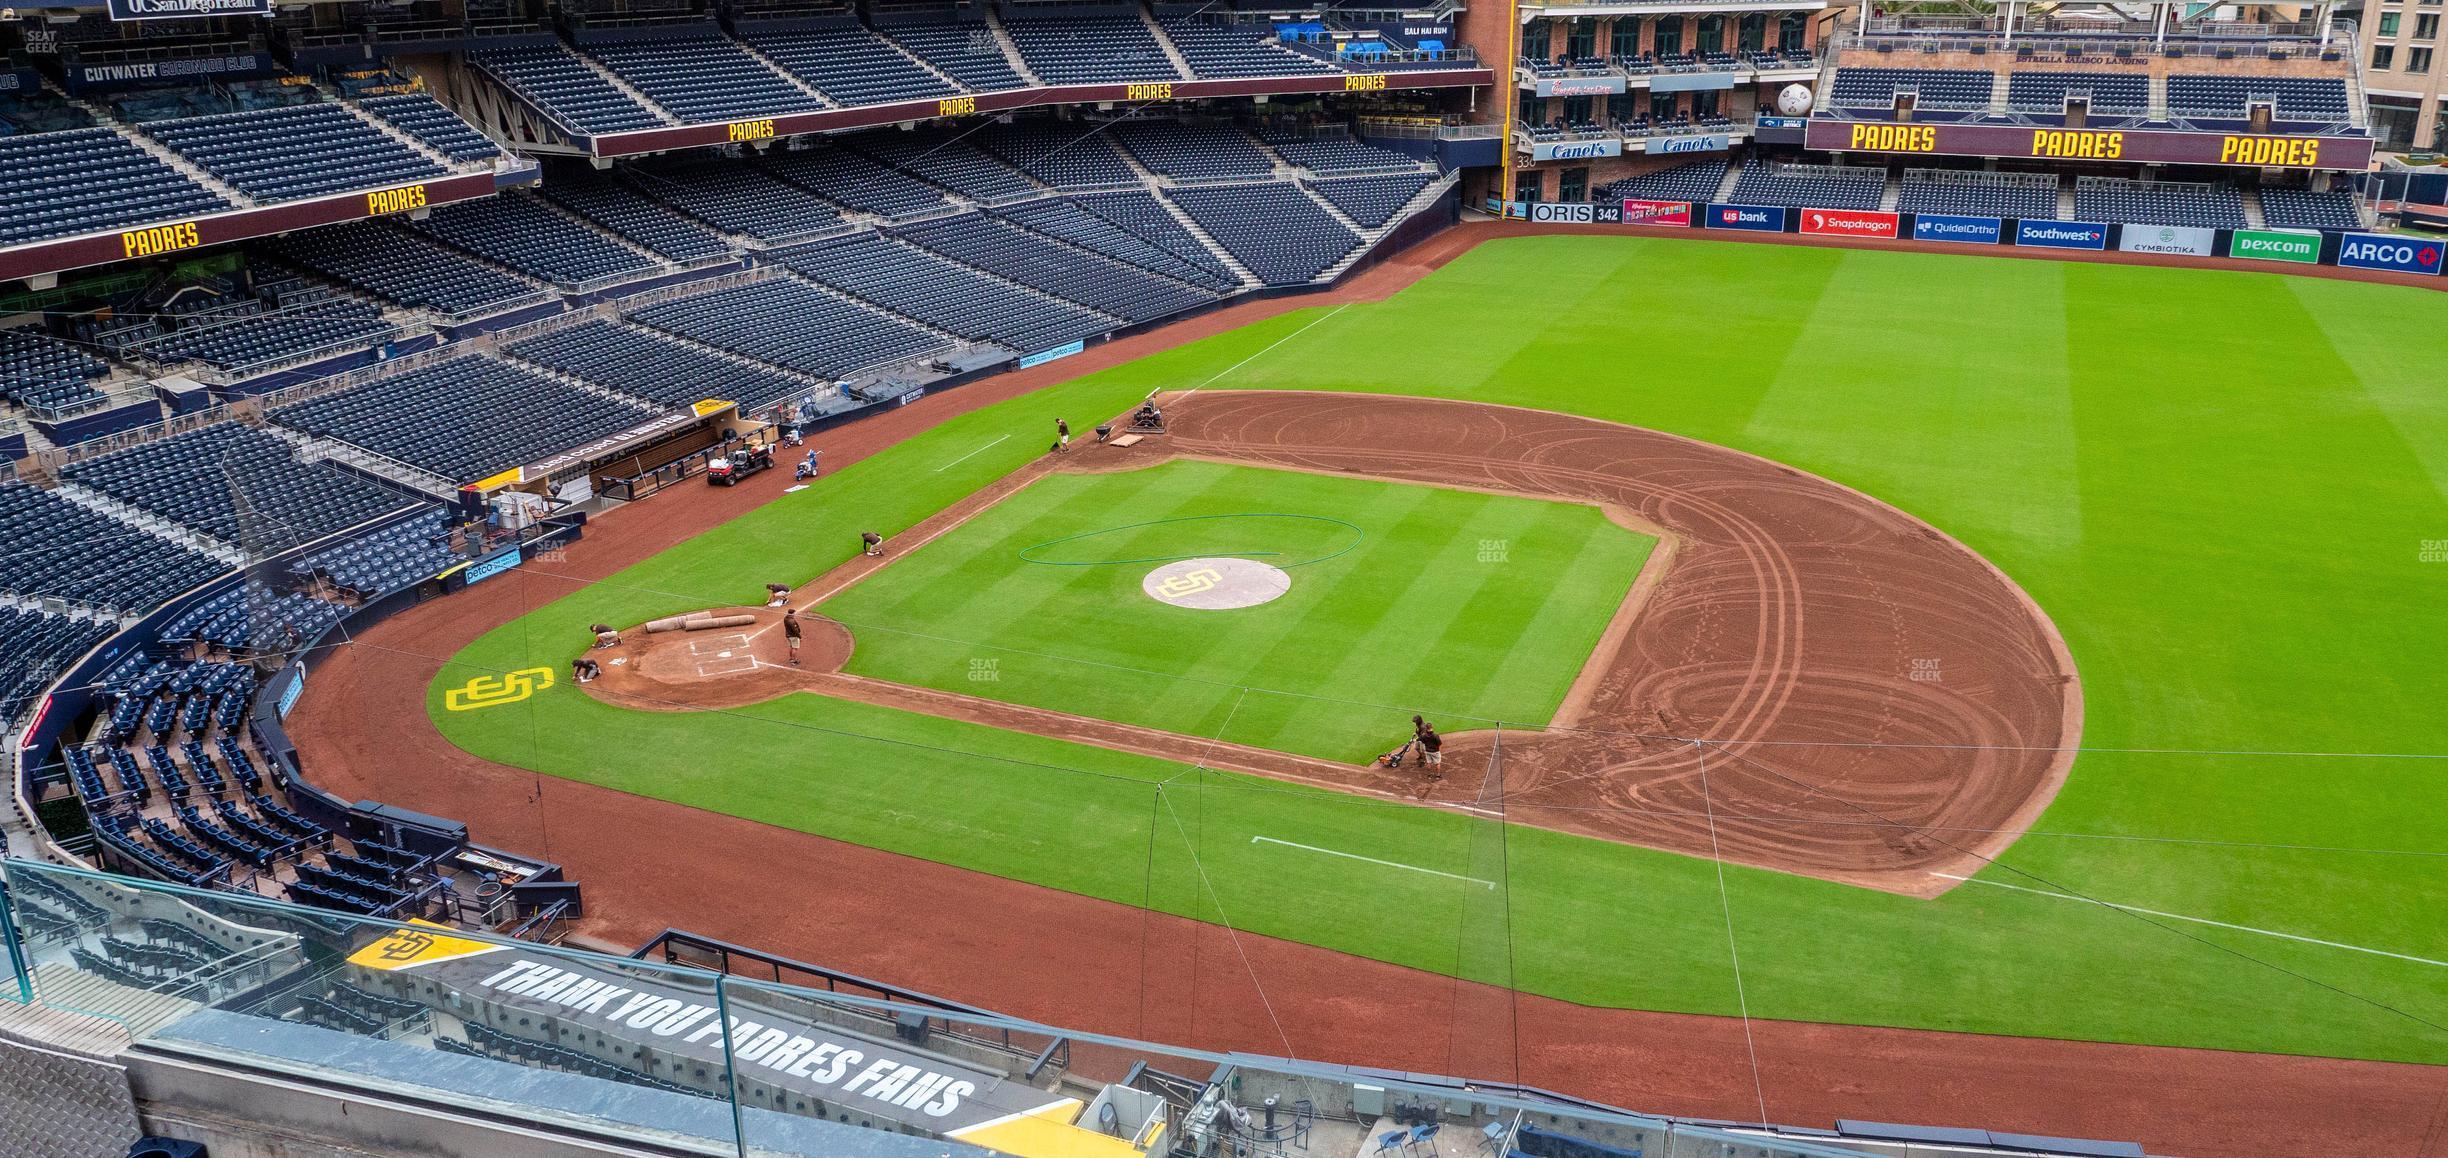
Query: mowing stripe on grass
{"x": 970, "y": 455}
{"x": 1371, "y": 860}
{"x": 2200, "y": 921}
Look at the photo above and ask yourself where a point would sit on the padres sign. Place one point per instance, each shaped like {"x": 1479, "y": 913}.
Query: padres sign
{"x": 494, "y": 691}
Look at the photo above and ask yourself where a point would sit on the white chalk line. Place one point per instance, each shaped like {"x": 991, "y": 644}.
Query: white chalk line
{"x": 968, "y": 456}
{"x": 1263, "y": 349}
{"x": 1371, "y": 860}
{"x": 2202, "y": 921}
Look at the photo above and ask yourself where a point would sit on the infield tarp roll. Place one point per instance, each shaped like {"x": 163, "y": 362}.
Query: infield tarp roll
{"x": 711, "y": 622}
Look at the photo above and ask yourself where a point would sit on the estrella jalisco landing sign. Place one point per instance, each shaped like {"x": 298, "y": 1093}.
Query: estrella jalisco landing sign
{"x": 2150, "y": 146}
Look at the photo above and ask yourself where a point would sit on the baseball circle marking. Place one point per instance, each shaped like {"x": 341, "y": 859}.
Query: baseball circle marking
{"x": 1216, "y": 584}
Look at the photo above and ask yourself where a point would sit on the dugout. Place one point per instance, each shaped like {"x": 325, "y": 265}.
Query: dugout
{"x": 627, "y": 464}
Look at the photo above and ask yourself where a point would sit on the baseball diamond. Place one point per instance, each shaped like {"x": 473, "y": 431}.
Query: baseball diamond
{"x": 1142, "y": 580}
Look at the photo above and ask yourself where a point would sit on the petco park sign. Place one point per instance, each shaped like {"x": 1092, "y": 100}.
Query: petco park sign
{"x": 2154, "y": 146}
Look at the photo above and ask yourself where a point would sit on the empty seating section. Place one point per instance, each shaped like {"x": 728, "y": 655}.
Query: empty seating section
{"x": 466, "y": 418}
{"x": 1815, "y": 186}
{"x": 87, "y": 180}
{"x": 1194, "y": 153}
{"x": 33, "y": 648}
{"x": 254, "y": 335}
{"x": 1127, "y": 227}
{"x": 561, "y": 86}
{"x": 385, "y": 560}
{"x": 1372, "y": 201}
{"x": 1034, "y": 259}
{"x": 2158, "y": 203}
{"x": 1216, "y": 49}
{"x": 2113, "y": 94}
{"x": 851, "y": 66}
{"x": 967, "y": 51}
{"x": 1090, "y": 49}
{"x": 1979, "y": 194}
{"x": 1697, "y": 181}
{"x": 703, "y": 77}
{"x": 1270, "y": 227}
{"x": 252, "y": 616}
{"x": 2298, "y": 98}
{"x": 619, "y": 210}
{"x": 1335, "y": 156}
{"x": 737, "y": 199}
{"x": 1067, "y": 156}
{"x": 424, "y": 118}
{"x": 39, "y": 370}
{"x": 522, "y": 233}
{"x": 2292, "y": 208}
{"x": 853, "y": 180}
{"x": 280, "y": 154}
{"x": 1935, "y": 88}
{"x": 60, "y": 549}
{"x": 942, "y": 294}
{"x": 951, "y": 163}
{"x": 792, "y": 324}
{"x": 655, "y": 368}
{"x": 198, "y": 479}
{"x": 404, "y": 267}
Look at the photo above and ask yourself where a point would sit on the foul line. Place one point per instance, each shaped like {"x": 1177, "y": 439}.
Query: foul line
{"x": 1262, "y": 353}
{"x": 1372, "y": 860}
{"x": 968, "y": 456}
{"x": 2202, "y": 921}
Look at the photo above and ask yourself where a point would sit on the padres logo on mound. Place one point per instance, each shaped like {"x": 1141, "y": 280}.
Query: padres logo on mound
{"x": 1174, "y": 587}
{"x": 494, "y": 691}
{"x": 1222, "y": 583}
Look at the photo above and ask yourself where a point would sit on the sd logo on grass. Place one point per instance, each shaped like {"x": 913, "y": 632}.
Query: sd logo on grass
{"x": 493, "y": 691}
{"x": 1189, "y": 583}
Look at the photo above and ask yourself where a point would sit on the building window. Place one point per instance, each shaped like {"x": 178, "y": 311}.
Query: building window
{"x": 2426, "y": 26}
{"x": 1704, "y": 103}
{"x": 1661, "y": 106}
{"x": 1526, "y": 186}
{"x": 1581, "y": 39}
{"x": 2383, "y": 57}
{"x": 1624, "y": 40}
{"x": 1669, "y": 35}
{"x": 1712, "y": 34}
{"x": 1573, "y": 184}
{"x": 1534, "y": 41}
{"x": 1576, "y": 112}
{"x": 1789, "y": 31}
{"x": 2418, "y": 60}
{"x": 2388, "y": 24}
{"x": 1752, "y": 34}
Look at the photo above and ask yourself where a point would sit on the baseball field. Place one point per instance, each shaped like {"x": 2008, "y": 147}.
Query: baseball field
{"x": 2222, "y": 497}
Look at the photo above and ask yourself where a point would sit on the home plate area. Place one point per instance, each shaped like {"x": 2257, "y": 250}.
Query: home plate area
{"x": 725, "y": 654}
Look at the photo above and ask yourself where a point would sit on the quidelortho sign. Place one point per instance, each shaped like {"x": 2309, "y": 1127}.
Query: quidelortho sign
{"x": 2393, "y": 252}
{"x": 2299, "y": 246}
{"x": 2188, "y": 240}
{"x": 1958, "y": 229}
{"x": 1576, "y": 150}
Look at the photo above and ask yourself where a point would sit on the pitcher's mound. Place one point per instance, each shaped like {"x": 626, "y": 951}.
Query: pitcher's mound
{"x": 1220, "y": 584}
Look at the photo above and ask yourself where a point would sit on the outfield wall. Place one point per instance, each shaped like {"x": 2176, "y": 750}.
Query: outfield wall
{"x": 2419, "y": 259}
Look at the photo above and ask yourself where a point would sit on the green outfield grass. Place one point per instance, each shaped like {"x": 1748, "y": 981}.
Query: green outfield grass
{"x": 1475, "y": 603}
{"x": 2223, "y": 487}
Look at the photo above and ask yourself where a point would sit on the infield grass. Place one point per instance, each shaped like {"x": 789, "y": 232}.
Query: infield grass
{"x": 1477, "y": 604}
{"x": 2230, "y": 491}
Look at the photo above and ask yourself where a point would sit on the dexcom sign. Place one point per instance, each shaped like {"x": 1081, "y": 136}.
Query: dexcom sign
{"x": 2395, "y": 253}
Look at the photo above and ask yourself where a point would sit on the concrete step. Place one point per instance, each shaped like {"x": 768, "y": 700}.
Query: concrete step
{"x": 61, "y": 986}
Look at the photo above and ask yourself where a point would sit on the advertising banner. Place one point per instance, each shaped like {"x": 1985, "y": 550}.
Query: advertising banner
{"x": 1562, "y": 212}
{"x": 1573, "y": 86}
{"x": 2061, "y": 234}
{"x": 2188, "y": 240}
{"x": 2147, "y": 146}
{"x": 1042, "y": 357}
{"x": 1690, "y": 81}
{"x": 1576, "y": 150}
{"x": 2300, "y": 246}
{"x": 1758, "y": 218}
{"x": 1848, "y": 223}
{"x": 186, "y": 9}
{"x": 1704, "y": 143}
{"x": 1960, "y": 230}
{"x": 1669, "y": 213}
{"x": 2394, "y": 252}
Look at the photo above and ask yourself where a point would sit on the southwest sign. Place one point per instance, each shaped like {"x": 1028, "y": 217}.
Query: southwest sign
{"x": 2061, "y": 234}
{"x": 2392, "y": 252}
{"x": 2298, "y": 246}
{"x": 2149, "y": 146}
